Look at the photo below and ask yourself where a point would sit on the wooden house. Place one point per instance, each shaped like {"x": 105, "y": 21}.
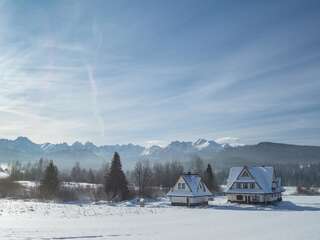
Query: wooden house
{"x": 253, "y": 185}
{"x": 189, "y": 190}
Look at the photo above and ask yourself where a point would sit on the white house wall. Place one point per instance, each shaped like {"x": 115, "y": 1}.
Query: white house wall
{"x": 198, "y": 200}
{"x": 182, "y": 200}
{"x": 192, "y": 200}
{"x": 260, "y": 197}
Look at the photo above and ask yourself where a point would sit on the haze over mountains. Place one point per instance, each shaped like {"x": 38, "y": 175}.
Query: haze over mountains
{"x": 223, "y": 155}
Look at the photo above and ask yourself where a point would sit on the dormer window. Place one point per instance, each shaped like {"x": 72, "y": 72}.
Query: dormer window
{"x": 245, "y": 174}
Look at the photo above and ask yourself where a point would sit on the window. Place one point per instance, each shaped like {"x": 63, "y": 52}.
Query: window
{"x": 252, "y": 185}
{"x": 238, "y": 185}
{"x": 245, "y": 174}
{"x": 255, "y": 198}
{"x": 245, "y": 185}
{"x": 179, "y": 185}
{"x": 183, "y": 185}
{"x": 239, "y": 197}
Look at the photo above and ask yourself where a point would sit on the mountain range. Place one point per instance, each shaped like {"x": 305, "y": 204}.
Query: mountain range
{"x": 222, "y": 155}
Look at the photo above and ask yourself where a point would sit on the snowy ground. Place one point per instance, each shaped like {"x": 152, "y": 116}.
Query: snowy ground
{"x": 31, "y": 184}
{"x": 297, "y": 217}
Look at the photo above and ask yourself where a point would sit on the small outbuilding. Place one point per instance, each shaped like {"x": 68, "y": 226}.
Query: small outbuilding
{"x": 189, "y": 190}
{"x": 253, "y": 185}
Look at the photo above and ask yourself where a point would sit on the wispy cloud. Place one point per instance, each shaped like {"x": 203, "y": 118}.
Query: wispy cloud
{"x": 155, "y": 142}
{"x": 95, "y": 102}
{"x": 108, "y": 75}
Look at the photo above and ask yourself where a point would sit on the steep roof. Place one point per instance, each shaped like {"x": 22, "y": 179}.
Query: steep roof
{"x": 193, "y": 182}
{"x": 263, "y": 176}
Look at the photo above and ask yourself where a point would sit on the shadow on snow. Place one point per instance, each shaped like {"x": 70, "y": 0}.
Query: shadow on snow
{"x": 281, "y": 206}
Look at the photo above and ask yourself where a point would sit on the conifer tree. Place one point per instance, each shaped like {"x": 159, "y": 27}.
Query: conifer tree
{"x": 50, "y": 184}
{"x": 116, "y": 185}
{"x": 76, "y": 173}
{"x": 210, "y": 180}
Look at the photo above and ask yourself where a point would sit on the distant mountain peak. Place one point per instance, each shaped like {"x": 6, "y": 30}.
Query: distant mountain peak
{"x": 228, "y": 154}
{"x": 201, "y": 143}
{"x": 23, "y": 140}
{"x": 77, "y": 143}
{"x": 151, "y": 150}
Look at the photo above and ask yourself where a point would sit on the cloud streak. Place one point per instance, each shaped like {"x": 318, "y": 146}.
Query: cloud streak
{"x": 95, "y": 102}
{"x": 118, "y": 73}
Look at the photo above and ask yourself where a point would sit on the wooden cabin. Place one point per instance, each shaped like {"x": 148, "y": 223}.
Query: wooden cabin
{"x": 253, "y": 185}
{"x": 189, "y": 190}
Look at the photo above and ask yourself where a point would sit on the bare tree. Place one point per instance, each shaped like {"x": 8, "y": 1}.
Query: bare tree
{"x": 197, "y": 165}
{"x": 175, "y": 169}
{"x": 158, "y": 174}
{"x": 102, "y": 172}
{"x": 142, "y": 176}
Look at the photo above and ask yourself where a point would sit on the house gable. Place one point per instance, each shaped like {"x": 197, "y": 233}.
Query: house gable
{"x": 244, "y": 177}
{"x": 189, "y": 185}
{"x": 245, "y": 174}
{"x": 181, "y": 185}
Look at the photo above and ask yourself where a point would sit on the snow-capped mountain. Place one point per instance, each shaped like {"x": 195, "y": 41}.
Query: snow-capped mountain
{"x": 153, "y": 150}
{"x": 201, "y": 143}
{"x": 24, "y": 150}
{"x": 65, "y": 155}
{"x": 90, "y": 155}
{"x": 178, "y": 150}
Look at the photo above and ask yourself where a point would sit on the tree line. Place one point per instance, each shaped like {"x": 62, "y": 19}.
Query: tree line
{"x": 300, "y": 175}
{"x": 145, "y": 180}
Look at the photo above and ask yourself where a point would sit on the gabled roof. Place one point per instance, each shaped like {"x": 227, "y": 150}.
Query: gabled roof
{"x": 263, "y": 176}
{"x": 193, "y": 182}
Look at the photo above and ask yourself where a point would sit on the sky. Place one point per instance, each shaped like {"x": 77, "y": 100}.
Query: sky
{"x": 150, "y": 72}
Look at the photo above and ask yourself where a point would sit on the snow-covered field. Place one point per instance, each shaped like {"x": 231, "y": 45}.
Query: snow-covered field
{"x": 297, "y": 217}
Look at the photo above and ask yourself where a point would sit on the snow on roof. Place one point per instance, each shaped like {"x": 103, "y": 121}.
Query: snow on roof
{"x": 234, "y": 172}
{"x": 193, "y": 181}
{"x": 262, "y": 175}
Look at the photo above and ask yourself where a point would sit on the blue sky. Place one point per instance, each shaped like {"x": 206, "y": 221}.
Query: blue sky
{"x": 156, "y": 71}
